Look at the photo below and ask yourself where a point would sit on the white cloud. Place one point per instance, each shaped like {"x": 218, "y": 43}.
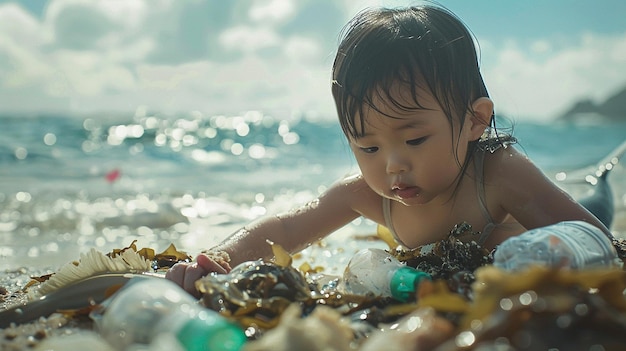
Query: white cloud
{"x": 107, "y": 65}
{"x": 90, "y": 74}
{"x": 23, "y": 68}
{"x": 196, "y": 55}
{"x": 18, "y": 26}
{"x": 248, "y": 39}
{"x": 301, "y": 49}
{"x": 541, "y": 46}
{"x": 548, "y": 79}
{"x": 273, "y": 11}
{"x": 20, "y": 66}
{"x": 124, "y": 15}
{"x": 169, "y": 78}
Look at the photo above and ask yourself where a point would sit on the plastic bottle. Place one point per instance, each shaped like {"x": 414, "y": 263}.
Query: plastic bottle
{"x": 376, "y": 271}
{"x": 573, "y": 244}
{"x": 155, "y": 313}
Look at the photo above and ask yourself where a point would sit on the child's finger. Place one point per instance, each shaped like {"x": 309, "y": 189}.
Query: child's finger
{"x": 193, "y": 272}
{"x": 210, "y": 265}
{"x": 176, "y": 273}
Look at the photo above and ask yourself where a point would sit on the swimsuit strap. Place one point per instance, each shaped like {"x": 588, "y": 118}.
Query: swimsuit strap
{"x": 480, "y": 187}
{"x": 388, "y": 222}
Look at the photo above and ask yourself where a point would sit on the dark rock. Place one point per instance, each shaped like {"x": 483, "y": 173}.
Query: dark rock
{"x": 611, "y": 110}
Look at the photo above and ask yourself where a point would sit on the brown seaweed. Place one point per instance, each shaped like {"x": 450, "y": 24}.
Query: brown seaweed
{"x": 543, "y": 308}
{"x": 539, "y": 308}
{"x": 453, "y": 259}
{"x": 256, "y": 292}
{"x": 165, "y": 259}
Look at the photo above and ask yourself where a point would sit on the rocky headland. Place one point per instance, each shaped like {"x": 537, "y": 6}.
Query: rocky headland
{"x": 612, "y": 109}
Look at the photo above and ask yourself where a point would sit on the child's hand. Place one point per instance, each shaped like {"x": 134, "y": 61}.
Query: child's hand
{"x": 186, "y": 274}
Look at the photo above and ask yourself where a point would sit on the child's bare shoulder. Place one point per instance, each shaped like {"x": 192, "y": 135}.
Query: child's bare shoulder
{"x": 354, "y": 190}
{"x": 507, "y": 162}
{"x": 513, "y": 174}
{"x": 352, "y": 185}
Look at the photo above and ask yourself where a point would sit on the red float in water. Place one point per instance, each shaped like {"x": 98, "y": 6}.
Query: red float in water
{"x": 113, "y": 175}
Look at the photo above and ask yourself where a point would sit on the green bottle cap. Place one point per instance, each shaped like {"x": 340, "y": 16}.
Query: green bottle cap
{"x": 405, "y": 281}
{"x": 208, "y": 333}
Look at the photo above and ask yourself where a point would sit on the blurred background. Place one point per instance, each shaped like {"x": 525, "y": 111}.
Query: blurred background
{"x": 78, "y": 56}
{"x": 180, "y": 121}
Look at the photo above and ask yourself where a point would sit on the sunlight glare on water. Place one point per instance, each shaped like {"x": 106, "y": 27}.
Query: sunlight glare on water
{"x": 70, "y": 184}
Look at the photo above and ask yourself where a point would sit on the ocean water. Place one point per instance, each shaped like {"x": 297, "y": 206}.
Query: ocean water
{"x": 68, "y": 183}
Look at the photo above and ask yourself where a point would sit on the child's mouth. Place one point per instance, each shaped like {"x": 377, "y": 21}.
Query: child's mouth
{"x": 405, "y": 192}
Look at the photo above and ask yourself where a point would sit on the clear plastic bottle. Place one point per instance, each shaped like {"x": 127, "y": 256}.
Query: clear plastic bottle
{"x": 156, "y": 314}
{"x": 573, "y": 244}
{"x": 377, "y": 272}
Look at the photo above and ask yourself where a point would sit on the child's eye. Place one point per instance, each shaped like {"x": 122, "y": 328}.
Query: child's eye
{"x": 369, "y": 150}
{"x": 415, "y": 142}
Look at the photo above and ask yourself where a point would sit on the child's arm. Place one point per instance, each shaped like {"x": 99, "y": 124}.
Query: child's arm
{"x": 293, "y": 231}
{"x": 533, "y": 199}
{"x": 297, "y": 228}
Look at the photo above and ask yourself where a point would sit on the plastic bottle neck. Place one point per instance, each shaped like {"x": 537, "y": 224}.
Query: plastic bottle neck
{"x": 209, "y": 332}
{"x": 404, "y": 283}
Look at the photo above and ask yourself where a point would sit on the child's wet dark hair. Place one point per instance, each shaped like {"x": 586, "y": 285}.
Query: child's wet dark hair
{"x": 424, "y": 47}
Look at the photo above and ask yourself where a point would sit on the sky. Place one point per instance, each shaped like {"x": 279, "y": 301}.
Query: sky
{"x": 226, "y": 57}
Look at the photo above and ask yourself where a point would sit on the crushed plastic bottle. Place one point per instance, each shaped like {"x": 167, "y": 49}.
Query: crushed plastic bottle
{"x": 572, "y": 244}
{"x": 375, "y": 271}
{"x": 156, "y": 314}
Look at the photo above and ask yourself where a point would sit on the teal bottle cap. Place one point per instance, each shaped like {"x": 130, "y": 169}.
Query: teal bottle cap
{"x": 207, "y": 333}
{"x": 405, "y": 281}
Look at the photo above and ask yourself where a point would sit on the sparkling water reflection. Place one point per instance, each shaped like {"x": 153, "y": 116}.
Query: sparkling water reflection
{"x": 68, "y": 184}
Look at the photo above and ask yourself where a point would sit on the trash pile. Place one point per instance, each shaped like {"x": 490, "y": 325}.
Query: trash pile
{"x": 540, "y": 308}
{"x": 467, "y": 304}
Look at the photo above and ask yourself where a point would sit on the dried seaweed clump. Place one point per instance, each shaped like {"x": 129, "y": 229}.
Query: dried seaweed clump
{"x": 254, "y": 292}
{"x": 94, "y": 262}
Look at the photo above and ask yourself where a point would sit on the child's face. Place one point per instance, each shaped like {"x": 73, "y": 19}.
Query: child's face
{"x": 414, "y": 158}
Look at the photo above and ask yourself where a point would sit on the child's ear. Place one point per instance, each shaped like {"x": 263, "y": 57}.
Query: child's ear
{"x": 481, "y": 118}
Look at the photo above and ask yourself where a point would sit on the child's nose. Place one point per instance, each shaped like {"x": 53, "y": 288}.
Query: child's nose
{"x": 396, "y": 163}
